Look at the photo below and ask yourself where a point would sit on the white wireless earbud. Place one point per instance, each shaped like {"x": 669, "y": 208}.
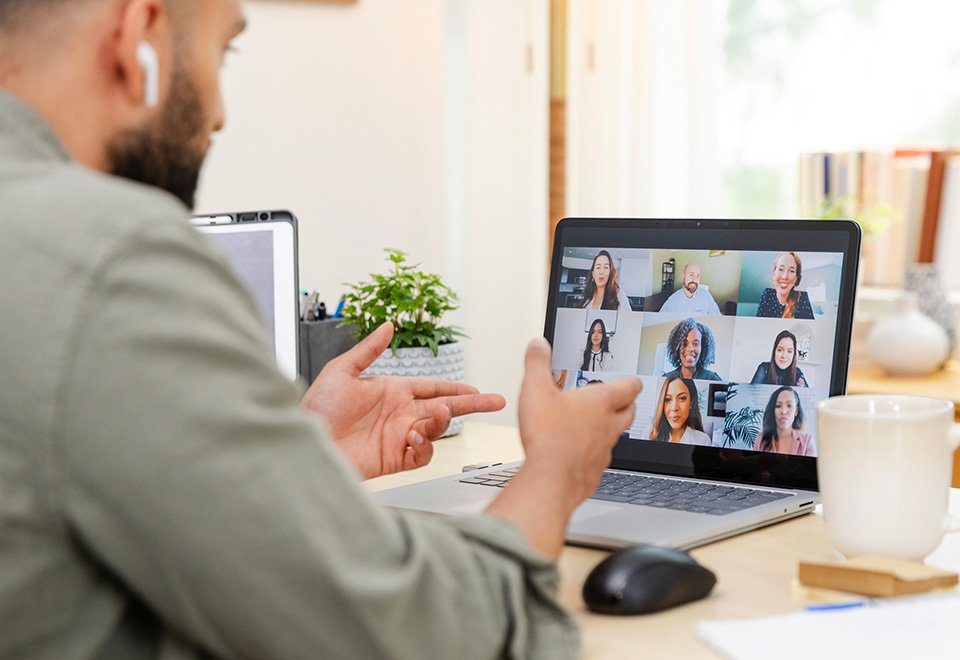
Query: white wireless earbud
{"x": 147, "y": 57}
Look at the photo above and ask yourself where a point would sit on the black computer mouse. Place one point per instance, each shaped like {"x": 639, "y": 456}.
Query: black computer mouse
{"x": 643, "y": 579}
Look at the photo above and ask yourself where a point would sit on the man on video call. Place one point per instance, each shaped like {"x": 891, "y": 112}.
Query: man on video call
{"x": 691, "y": 298}
{"x": 164, "y": 491}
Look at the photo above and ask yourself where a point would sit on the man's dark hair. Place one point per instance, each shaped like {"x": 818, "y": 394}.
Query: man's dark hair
{"x": 21, "y": 14}
{"x": 15, "y": 14}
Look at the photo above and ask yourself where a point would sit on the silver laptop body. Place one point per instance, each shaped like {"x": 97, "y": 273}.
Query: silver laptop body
{"x": 725, "y": 476}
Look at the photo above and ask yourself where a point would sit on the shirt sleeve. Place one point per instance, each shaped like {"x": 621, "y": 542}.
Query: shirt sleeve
{"x": 191, "y": 476}
{"x": 714, "y": 307}
{"x": 576, "y": 359}
{"x": 669, "y": 304}
{"x": 606, "y": 361}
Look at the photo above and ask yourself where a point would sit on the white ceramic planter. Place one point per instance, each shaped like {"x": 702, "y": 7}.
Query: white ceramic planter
{"x": 411, "y": 362}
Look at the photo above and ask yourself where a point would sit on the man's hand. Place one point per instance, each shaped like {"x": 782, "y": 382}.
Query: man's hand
{"x": 568, "y": 438}
{"x": 387, "y": 424}
{"x": 573, "y": 432}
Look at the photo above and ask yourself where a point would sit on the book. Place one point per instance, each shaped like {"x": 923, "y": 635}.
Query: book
{"x": 876, "y": 576}
{"x": 931, "y": 209}
{"x": 813, "y": 182}
{"x": 948, "y": 225}
{"x": 876, "y": 187}
{"x": 909, "y": 195}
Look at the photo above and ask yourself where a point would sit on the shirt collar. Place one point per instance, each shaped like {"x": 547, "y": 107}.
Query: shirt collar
{"x": 796, "y": 441}
{"x": 24, "y": 133}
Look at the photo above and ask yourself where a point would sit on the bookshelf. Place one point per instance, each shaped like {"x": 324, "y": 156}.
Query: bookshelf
{"x": 907, "y": 200}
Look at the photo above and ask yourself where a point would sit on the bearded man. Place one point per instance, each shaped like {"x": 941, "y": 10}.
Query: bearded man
{"x": 164, "y": 491}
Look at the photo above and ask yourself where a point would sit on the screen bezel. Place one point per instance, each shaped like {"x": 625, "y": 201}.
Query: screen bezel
{"x": 283, "y": 226}
{"x": 734, "y": 465}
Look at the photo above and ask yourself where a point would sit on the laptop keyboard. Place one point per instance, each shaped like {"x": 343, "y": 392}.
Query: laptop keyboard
{"x": 693, "y": 496}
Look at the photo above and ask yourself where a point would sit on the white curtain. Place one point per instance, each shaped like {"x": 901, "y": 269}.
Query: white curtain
{"x": 642, "y": 90}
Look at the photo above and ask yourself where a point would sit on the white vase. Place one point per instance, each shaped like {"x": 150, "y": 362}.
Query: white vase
{"x": 414, "y": 362}
{"x": 932, "y": 298}
{"x": 909, "y": 343}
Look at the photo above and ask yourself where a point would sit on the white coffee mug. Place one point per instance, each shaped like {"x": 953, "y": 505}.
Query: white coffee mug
{"x": 885, "y": 465}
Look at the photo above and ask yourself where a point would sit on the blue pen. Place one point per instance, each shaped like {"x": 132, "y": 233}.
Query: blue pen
{"x": 836, "y": 606}
{"x": 339, "y": 311}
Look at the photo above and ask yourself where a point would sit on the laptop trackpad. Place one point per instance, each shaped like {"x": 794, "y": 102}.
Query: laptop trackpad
{"x": 592, "y": 509}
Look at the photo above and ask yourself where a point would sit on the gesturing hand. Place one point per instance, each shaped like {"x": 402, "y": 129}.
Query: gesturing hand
{"x": 567, "y": 437}
{"x": 574, "y": 432}
{"x": 387, "y": 424}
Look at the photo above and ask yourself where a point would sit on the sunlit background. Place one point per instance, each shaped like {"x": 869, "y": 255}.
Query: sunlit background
{"x": 424, "y": 125}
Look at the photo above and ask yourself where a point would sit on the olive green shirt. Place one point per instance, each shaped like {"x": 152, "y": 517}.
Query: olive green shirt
{"x": 161, "y": 495}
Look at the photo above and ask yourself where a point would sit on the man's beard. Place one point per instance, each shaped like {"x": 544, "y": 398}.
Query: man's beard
{"x": 164, "y": 154}
{"x": 691, "y": 287}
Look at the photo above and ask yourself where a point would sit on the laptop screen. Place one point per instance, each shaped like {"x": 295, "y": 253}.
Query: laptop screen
{"x": 738, "y": 329}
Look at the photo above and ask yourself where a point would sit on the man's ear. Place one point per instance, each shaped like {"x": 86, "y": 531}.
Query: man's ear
{"x": 143, "y": 54}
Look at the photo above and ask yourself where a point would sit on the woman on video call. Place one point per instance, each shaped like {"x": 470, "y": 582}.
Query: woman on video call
{"x": 596, "y": 356}
{"x": 782, "y": 368}
{"x": 782, "y": 421}
{"x": 677, "y": 415}
{"x": 602, "y": 290}
{"x": 784, "y": 300}
{"x": 691, "y": 349}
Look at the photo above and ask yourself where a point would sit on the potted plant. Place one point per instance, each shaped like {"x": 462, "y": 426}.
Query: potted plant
{"x": 415, "y": 302}
{"x": 741, "y": 429}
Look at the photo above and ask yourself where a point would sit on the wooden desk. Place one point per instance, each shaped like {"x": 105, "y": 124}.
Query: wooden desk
{"x": 757, "y": 571}
{"x": 944, "y": 384}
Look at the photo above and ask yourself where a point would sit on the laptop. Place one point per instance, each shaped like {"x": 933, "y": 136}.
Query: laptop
{"x": 737, "y": 328}
{"x": 262, "y": 247}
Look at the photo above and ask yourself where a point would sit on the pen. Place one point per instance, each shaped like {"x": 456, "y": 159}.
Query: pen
{"x": 339, "y": 311}
{"x": 304, "y": 304}
{"x": 837, "y": 606}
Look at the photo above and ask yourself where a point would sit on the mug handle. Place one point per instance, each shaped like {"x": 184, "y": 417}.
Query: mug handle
{"x": 954, "y": 438}
{"x": 952, "y": 523}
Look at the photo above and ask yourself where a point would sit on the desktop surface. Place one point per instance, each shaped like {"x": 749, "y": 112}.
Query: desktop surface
{"x": 756, "y": 571}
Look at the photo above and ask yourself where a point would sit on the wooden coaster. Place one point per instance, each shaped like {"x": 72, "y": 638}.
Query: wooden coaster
{"x": 876, "y": 576}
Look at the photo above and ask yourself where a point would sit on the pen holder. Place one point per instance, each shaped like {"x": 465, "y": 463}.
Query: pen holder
{"x": 320, "y": 342}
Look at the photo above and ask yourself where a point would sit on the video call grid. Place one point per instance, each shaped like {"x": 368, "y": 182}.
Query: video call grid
{"x": 739, "y": 340}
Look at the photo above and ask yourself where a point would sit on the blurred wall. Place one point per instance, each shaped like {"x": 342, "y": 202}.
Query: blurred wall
{"x": 419, "y": 125}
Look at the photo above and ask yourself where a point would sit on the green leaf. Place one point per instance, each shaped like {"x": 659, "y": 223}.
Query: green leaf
{"x": 412, "y": 300}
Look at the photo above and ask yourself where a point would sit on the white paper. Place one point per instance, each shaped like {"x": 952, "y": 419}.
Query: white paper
{"x": 926, "y": 627}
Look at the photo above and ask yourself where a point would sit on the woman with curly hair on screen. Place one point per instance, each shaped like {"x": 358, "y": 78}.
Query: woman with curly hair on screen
{"x": 691, "y": 348}
{"x": 602, "y": 290}
{"x": 677, "y": 415}
{"x": 782, "y": 421}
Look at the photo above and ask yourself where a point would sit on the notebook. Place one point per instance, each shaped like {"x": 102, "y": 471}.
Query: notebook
{"x": 262, "y": 247}
{"x": 737, "y": 328}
